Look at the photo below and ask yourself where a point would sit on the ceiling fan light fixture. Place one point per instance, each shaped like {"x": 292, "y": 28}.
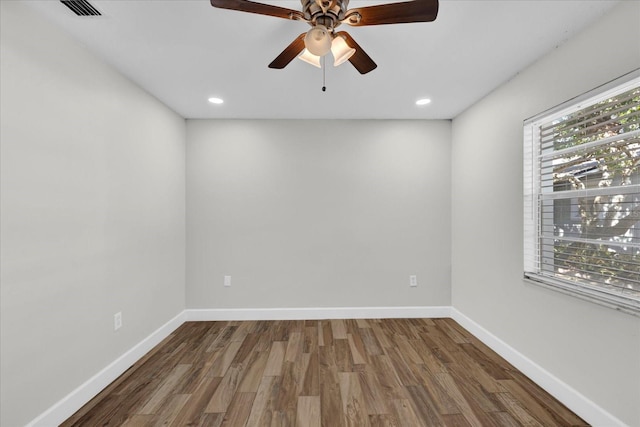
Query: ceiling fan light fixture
{"x": 341, "y": 51}
{"x": 310, "y": 58}
{"x": 318, "y": 40}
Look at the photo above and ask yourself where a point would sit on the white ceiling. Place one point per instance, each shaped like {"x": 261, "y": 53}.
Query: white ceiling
{"x": 185, "y": 51}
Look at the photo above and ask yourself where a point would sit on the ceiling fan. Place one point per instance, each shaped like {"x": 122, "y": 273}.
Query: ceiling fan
{"x": 325, "y": 16}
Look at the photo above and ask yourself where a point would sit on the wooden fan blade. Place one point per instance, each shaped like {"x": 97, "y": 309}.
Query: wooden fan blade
{"x": 259, "y": 8}
{"x": 393, "y": 13}
{"x": 360, "y": 60}
{"x": 289, "y": 53}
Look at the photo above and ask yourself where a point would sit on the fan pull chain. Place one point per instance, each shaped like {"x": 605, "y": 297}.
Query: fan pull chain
{"x": 324, "y": 77}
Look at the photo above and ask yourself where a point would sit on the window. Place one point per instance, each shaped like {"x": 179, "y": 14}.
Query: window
{"x": 582, "y": 196}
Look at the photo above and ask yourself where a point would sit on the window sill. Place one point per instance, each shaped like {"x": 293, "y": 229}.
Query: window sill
{"x": 616, "y": 302}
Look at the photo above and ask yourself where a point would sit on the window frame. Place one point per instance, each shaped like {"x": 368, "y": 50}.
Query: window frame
{"x": 531, "y": 189}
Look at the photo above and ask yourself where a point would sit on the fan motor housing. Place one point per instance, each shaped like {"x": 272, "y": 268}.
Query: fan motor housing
{"x": 329, "y": 13}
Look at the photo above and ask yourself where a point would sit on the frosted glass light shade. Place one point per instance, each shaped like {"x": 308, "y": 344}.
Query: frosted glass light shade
{"x": 341, "y": 51}
{"x": 310, "y": 58}
{"x": 318, "y": 40}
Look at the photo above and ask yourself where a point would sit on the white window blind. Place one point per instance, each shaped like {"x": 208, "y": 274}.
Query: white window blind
{"x": 582, "y": 196}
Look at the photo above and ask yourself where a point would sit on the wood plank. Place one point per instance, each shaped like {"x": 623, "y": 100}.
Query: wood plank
{"x": 321, "y": 334}
{"x": 264, "y": 402}
{"x": 455, "y": 420}
{"x": 445, "y": 404}
{"x": 404, "y": 411}
{"x": 481, "y": 403}
{"x": 164, "y": 390}
{"x": 254, "y": 372}
{"x": 380, "y": 335}
{"x": 116, "y": 410}
{"x": 276, "y": 357}
{"x": 224, "y": 393}
{"x": 190, "y": 380}
{"x": 362, "y": 323}
{"x": 296, "y": 325}
{"x": 388, "y": 379}
{"x": 288, "y": 396}
{"x": 371, "y": 345}
{"x": 557, "y": 410}
{"x": 294, "y": 347}
{"x": 455, "y": 336}
{"x": 372, "y": 392}
{"x": 283, "y": 419}
{"x": 327, "y": 333}
{"x": 171, "y": 409}
{"x": 279, "y": 331}
{"x": 210, "y": 420}
{"x": 339, "y": 329}
{"x": 139, "y": 421}
{"x": 443, "y": 340}
{"x": 223, "y": 361}
{"x": 330, "y": 398}
{"x": 239, "y": 410}
{"x": 513, "y": 407}
{"x": 308, "y": 413}
{"x": 222, "y": 338}
{"x": 358, "y": 353}
{"x": 489, "y": 364}
{"x": 401, "y": 368}
{"x": 264, "y": 343}
{"x": 311, "y": 382}
{"x": 451, "y": 388}
{"x": 343, "y": 355}
{"x": 241, "y": 331}
{"x": 480, "y": 400}
{"x": 310, "y": 339}
{"x": 352, "y": 326}
{"x": 424, "y": 406}
{"x": 538, "y": 411}
{"x": 352, "y": 400}
{"x": 193, "y": 409}
{"x": 504, "y": 419}
{"x": 384, "y": 420}
{"x": 246, "y": 349}
{"x": 408, "y": 351}
{"x": 469, "y": 368}
{"x": 431, "y": 362}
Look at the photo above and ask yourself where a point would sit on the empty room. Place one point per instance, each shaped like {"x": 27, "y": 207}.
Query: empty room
{"x": 320, "y": 213}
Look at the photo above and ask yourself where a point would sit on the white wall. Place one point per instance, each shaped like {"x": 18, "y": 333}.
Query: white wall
{"x": 317, "y": 213}
{"x": 92, "y": 214}
{"x": 594, "y": 349}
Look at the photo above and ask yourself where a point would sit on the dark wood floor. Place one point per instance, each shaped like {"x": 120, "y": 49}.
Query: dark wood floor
{"x": 409, "y": 372}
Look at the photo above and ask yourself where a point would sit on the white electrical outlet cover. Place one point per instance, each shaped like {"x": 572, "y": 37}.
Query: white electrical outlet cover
{"x": 117, "y": 321}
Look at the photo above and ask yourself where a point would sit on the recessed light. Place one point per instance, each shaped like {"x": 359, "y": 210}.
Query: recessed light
{"x": 216, "y": 100}
{"x": 423, "y": 101}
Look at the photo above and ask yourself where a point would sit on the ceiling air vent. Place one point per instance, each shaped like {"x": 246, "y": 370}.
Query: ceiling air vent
{"x": 81, "y": 7}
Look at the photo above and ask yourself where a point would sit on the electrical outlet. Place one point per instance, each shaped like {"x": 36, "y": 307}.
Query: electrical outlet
{"x": 413, "y": 281}
{"x": 227, "y": 281}
{"x": 117, "y": 321}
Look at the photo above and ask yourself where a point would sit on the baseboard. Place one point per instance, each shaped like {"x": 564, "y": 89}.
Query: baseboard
{"x": 316, "y": 313}
{"x": 66, "y": 407}
{"x": 585, "y": 408}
